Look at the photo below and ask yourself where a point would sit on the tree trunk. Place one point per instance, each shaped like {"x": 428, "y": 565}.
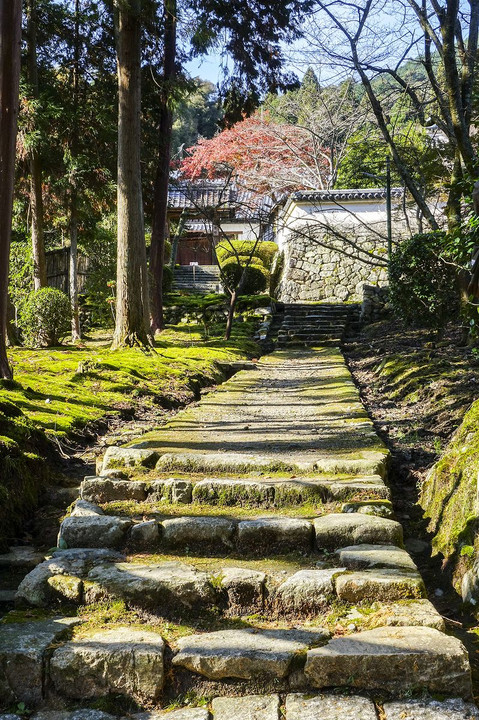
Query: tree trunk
{"x": 231, "y": 314}
{"x": 10, "y": 36}
{"x": 160, "y": 200}
{"x": 36, "y": 196}
{"x": 132, "y": 310}
{"x": 73, "y": 274}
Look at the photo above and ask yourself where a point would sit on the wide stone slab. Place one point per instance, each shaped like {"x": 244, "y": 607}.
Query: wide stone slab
{"x": 118, "y": 457}
{"x": 199, "y": 713}
{"x": 247, "y": 654}
{"x": 398, "y": 659}
{"x": 157, "y": 586}
{"x": 274, "y": 534}
{"x": 251, "y": 707}
{"x": 172, "y": 490}
{"x": 34, "y": 588}
{"x": 96, "y": 531}
{"x": 23, "y": 648}
{"x": 339, "y": 530}
{"x": 376, "y": 556}
{"x": 85, "y": 508}
{"x": 83, "y": 714}
{"x": 329, "y": 707}
{"x": 197, "y": 532}
{"x": 123, "y": 660}
{"x": 307, "y": 591}
{"x": 100, "y": 490}
{"x": 406, "y": 612}
{"x": 233, "y": 492}
{"x": 380, "y": 508}
{"x": 451, "y": 709}
{"x": 297, "y": 411}
{"x": 382, "y": 585}
{"x": 21, "y": 556}
{"x": 373, "y": 487}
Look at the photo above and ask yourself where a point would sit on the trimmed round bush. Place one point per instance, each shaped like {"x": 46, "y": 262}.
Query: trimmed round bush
{"x": 264, "y": 251}
{"x": 256, "y": 281}
{"x": 423, "y": 287}
{"x": 45, "y": 317}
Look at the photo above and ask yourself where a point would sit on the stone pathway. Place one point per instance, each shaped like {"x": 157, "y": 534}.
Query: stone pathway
{"x": 257, "y": 525}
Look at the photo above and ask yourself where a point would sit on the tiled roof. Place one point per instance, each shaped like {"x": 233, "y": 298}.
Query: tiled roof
{"x": 208, "y": 195}
{"x": 342, "y": 195}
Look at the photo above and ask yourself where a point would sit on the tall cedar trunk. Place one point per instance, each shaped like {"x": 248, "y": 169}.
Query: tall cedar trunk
{"x": 132, "y": 310}
{"x": 36, "y": 196}
{"x": 73, "y": 274}
{"x": 10, "y": 35}
{"x": 160, "y": 200}
{"x": 76, "y": 332}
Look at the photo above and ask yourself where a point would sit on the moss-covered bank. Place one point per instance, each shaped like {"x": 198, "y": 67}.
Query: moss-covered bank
{"x": 59, "y": 391}
{"x": 449, "y": 498}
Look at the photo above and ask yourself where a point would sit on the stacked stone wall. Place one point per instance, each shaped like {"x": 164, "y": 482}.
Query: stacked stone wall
{"x": 330, "y": 270}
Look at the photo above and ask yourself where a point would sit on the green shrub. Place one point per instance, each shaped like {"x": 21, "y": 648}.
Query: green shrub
{"x": 264, "y": 251}
{"x": 256, "y": 281}
{"x": 423, "y": 288}
{"x": 276, "y": 273}
{"x": 45, "y": 317}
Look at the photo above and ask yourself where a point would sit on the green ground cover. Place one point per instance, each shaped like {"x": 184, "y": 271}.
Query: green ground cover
{"x": 58, "y": 391}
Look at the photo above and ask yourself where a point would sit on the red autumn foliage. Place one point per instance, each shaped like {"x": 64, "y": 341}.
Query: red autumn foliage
{"x": 261, "y": 155}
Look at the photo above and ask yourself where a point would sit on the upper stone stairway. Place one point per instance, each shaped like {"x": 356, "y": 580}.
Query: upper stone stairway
{"x": 314, "y": 324}
{"x": 197, "y": 278}
{"x": 243, "y": 561}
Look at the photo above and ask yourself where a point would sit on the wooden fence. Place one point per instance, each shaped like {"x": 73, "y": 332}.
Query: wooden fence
{"x": 58, "y": 269}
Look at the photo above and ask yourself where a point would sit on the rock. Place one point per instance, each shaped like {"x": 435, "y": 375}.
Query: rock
{"x": 274, "y": 534}
{"x": 9, "y": 716}
{"x": 113, "y": 473}
{"x": 123, "y": 661}
{"x": 171, "y": 491}
{"x": 398, "y": 659}
{"x": 145, "y": 535}
{"x": 375, "y": 556}
{"x": 341, "y": 529}
{"x": 23, "y": 651}
{"x": 34, "y": 588}
{"x": 155, "y": 586}
{"x": 406, "y": 612}
{"x": 233, "y": 492}
{"x": 95, "y": 531}
{"x": 86, "y": 714}
{"x": 83, "y": 508}
{"x": 452, "y": 709}
{"x": 417, "y": 547}
{"x": 119, "y": 457}
{"x": 21, "y": 556}
{"x": 329, "y": 707}
{"x": 199, "y": 713}
{"x": 244, "y": 587}
{"x": 66, "y": 587}
{"x": 247, "y": 654}
{"x": 307, "y": 591}
{"x": 198, "y": 531}
{"x": 382, "y": 585}
{"x": 380, "y": 508}
{"x": 102, "y": 491}
{"x": 251, "y": 707}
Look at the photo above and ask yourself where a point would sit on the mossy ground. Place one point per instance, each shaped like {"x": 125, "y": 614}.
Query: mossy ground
{"x": 59, "y": 391}
{"x": 159, "y": 511}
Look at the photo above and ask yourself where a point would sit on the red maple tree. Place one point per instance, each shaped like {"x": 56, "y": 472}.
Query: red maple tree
{"x": 261, "y": 155}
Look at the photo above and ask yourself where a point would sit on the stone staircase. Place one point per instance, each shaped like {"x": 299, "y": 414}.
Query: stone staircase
{"x": 198, "y": 278}
{"x": 243, "y": 561}
{"x": 312, "y": 324}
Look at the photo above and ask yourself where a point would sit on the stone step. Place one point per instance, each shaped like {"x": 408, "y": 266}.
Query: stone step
{"x": 297, "y": 706}
{"x": 234, "y": 492}
{"x": 264, "y": 535}
{"x": 399, "y": 660}
{"x": 39, "y": 659}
